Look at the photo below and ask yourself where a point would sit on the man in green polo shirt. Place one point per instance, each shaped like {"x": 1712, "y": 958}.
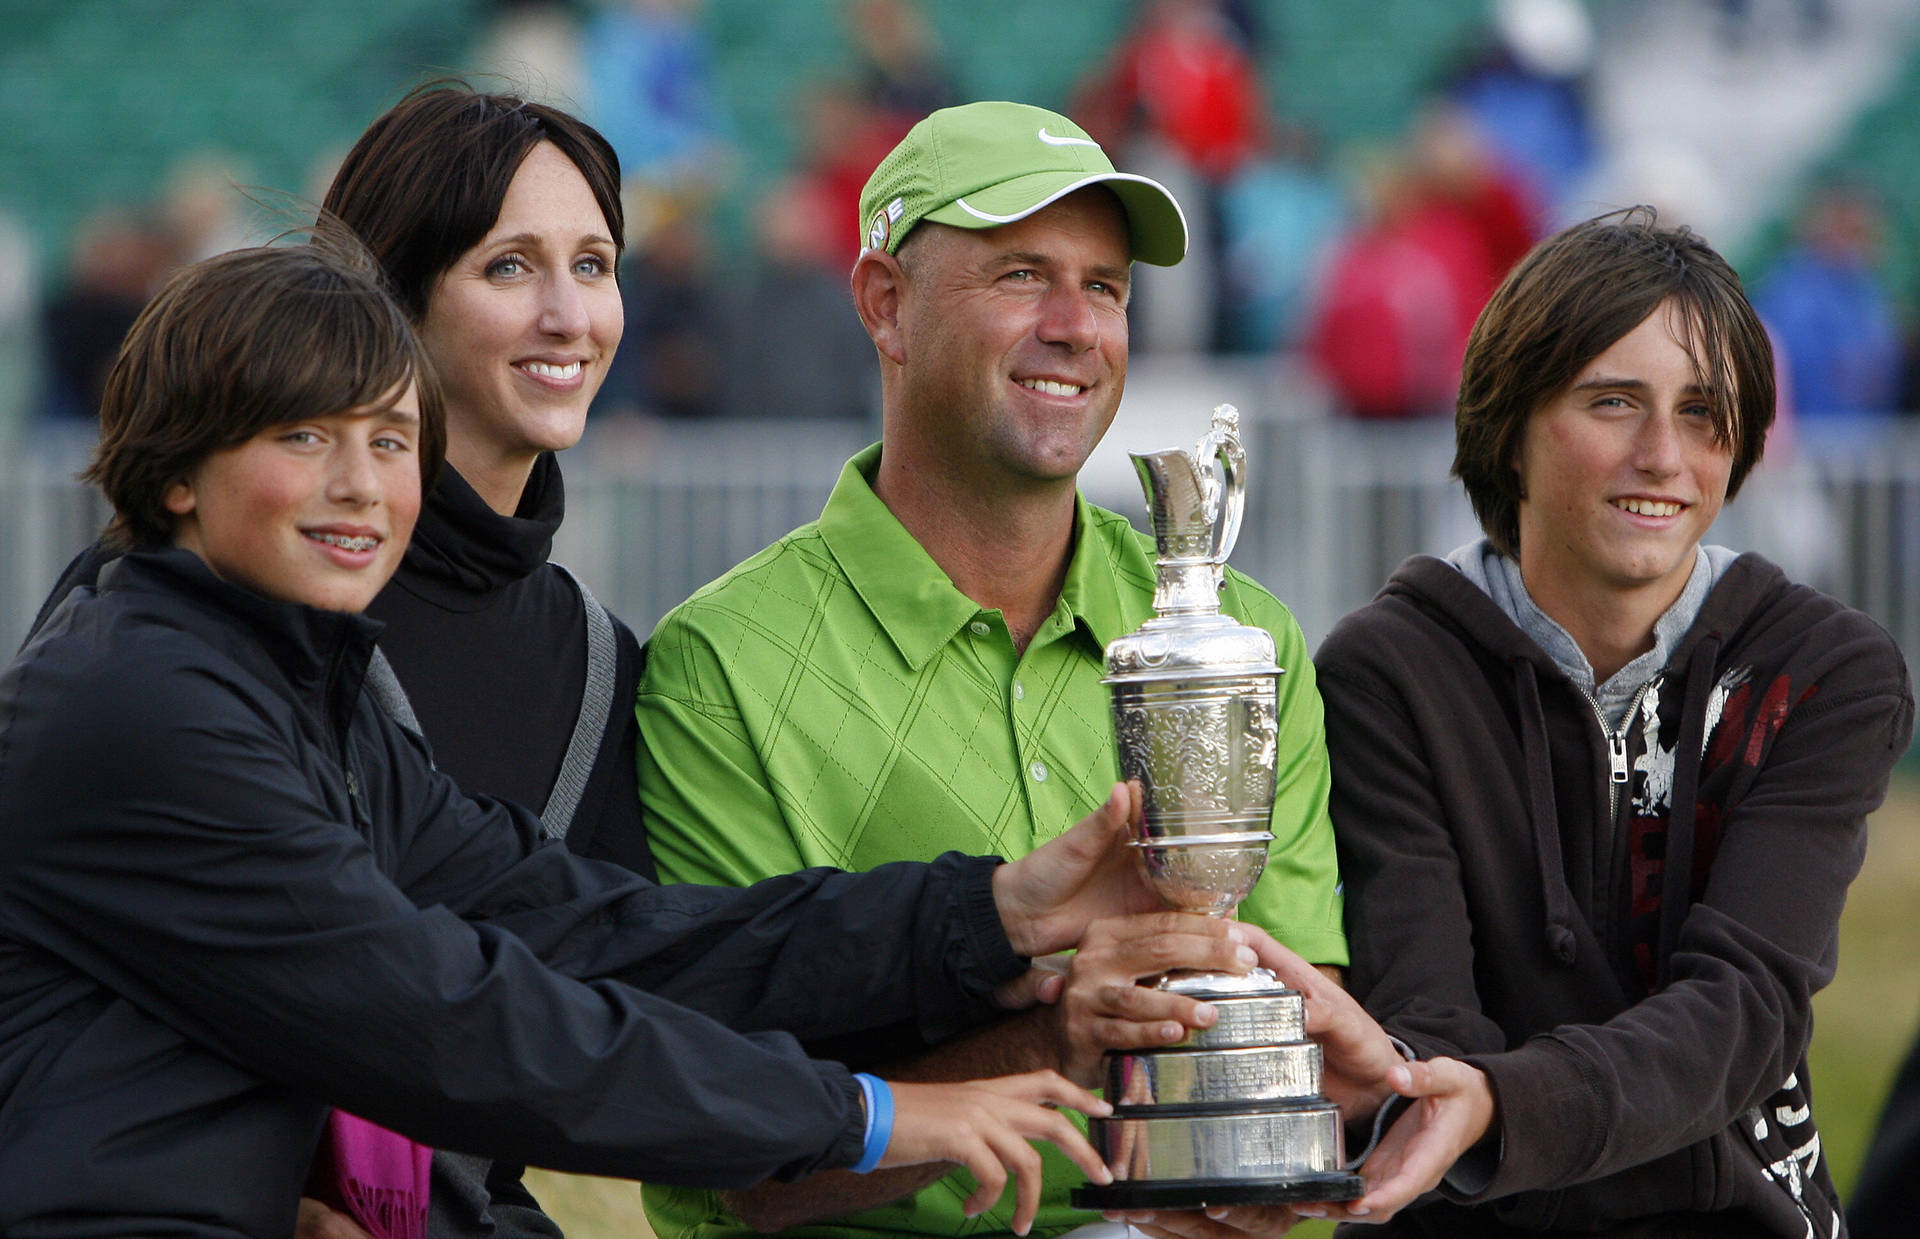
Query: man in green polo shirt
{"x": 919, "y": 669}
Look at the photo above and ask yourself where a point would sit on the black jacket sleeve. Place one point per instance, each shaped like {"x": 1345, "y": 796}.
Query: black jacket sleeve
{"x": 199, "y": 866}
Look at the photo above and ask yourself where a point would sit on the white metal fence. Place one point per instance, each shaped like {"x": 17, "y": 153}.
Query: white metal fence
{"x": 1333, "y": 507}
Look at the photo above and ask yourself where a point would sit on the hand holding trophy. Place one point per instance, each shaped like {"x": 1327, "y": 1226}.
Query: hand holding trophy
{"x": 1233, "y": 1114}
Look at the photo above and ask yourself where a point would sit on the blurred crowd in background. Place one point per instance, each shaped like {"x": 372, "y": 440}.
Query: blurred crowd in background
{"x": 1369, "y": 261}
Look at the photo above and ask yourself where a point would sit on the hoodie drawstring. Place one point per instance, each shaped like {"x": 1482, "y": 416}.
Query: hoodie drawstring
{"x": 1537, "y": 776}
{"x": 1676, "y": 879}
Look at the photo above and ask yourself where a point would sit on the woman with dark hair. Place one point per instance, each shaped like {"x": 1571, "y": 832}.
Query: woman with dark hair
{"x": 499, "y": 224}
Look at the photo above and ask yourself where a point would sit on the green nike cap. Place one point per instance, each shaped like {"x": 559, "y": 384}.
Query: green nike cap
{"x": 982, "y": 165}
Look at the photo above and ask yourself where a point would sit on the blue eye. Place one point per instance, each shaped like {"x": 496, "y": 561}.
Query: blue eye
{"x": 506, "y": 267}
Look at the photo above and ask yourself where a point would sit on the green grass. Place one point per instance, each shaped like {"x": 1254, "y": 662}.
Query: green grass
{"x": 1865, "y": 1020}
{"x": 590, "y": 1208}
{"x": 1863, "y": 1024}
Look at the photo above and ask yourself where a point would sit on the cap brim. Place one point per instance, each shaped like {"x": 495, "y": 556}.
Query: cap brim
{"x": 1156, "y": 228}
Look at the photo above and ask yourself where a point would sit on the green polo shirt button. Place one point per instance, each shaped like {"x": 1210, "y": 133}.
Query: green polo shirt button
{"x": 1019, "y": 691}
{"x": 1039, "y": 770}
{"x": 979, "y": 628}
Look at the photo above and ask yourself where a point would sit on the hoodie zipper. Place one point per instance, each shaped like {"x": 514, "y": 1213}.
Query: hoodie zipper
{"x": 1617, "y": 770}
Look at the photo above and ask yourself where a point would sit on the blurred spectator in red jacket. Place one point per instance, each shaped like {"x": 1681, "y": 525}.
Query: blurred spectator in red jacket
{"x": 1185, "y": 77}
{"x": 1443, "y": 225}
{"x": 1385, "y": 332}
{"x": 1181, "y": 96}
{"x": 843, "y": 139}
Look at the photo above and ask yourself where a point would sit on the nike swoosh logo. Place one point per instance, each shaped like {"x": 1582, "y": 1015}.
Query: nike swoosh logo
{"x": 1050, "y": 140}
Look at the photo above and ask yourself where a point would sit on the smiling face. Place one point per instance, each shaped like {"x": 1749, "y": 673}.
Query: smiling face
{"x": 523, "y": 326}
{"x": 316, "y": 511}
{"x": 1621, "y": 475}
{"x": 1015, "y": 342}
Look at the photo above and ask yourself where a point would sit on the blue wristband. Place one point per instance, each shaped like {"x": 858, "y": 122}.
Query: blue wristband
{"x": 879, "y": 1121}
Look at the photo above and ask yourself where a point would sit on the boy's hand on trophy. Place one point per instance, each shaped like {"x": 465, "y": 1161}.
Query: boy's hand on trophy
{"x": 1453, "y": 1110}
{"x": 1104, "y": 1005}
{"x": 1356, "y": 1052}
{"x": 1048, "y": 897}
{"x": 986, "y": 1126}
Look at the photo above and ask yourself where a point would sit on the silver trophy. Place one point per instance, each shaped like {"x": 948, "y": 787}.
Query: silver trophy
{"x": 1233, "y": 1114}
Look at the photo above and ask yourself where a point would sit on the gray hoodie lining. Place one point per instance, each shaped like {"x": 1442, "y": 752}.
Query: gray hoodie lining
{"x": 1499, "y": 577}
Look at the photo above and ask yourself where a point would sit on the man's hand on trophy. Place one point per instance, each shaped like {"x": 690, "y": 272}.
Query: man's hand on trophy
{"x": 1039, "y": 985}
{"x": 1105, "y": 1007}
{"x": 1048, "y": 897}
{"x": 1356, "y": 1052}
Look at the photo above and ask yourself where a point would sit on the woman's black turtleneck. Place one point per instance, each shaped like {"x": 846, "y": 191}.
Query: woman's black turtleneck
{"x": 489, "y": 641}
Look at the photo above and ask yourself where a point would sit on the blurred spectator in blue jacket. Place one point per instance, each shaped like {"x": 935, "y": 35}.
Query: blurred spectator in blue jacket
{"x": 1828, "y": 304}
{"x": 653, "y": 90}
{"x": 1280, "y": 217}
{"x": 1527, "y": 92}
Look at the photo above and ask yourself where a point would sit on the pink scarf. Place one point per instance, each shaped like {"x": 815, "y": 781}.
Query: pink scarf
{"x": 379, "y": 1177}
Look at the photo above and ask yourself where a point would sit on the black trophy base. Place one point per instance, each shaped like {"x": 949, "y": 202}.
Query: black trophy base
{"x": 1200, "y": 1193}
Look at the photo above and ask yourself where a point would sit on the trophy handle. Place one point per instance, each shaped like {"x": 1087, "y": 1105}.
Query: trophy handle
{"x": 1223, "y": 464}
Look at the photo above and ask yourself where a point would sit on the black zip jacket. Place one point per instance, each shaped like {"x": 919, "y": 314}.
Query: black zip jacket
{"x": 1626, "y": 935}
{"x": 233, "y": 893}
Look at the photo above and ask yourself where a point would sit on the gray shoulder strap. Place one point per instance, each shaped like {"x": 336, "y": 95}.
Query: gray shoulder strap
{"x": 385, "y": 688}
{"x": 596, "y": 699}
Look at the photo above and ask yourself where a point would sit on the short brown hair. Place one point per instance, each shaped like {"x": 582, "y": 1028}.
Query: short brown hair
{"x": 243, "y": 341}
{"x": 425, "y": 182}
{"x": 1566, "y": 303}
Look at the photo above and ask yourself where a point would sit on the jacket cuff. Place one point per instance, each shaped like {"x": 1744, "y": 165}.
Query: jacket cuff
{"x": 1541, "y": 1087}
{"x": 978, "y": 956}
{"x": 850, "y": 1140}
{"x": 994, "y": 960}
